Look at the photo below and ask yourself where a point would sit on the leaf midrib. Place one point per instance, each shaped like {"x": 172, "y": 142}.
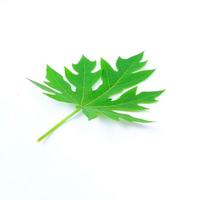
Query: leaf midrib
{"x": 83, "y": 90}
{"x": 111, "y": 86}
{"x": 120, "y": 104}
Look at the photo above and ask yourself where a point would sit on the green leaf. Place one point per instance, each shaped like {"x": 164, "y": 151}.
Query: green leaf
{"x": 93, "y": 103}
{"x": 83, "y": 80}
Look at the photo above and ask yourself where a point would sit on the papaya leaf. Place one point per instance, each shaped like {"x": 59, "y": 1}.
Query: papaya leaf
{"x": 99, "y": 102}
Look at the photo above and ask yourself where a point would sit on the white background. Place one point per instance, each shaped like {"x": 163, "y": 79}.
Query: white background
{"x": 101, "y": 159}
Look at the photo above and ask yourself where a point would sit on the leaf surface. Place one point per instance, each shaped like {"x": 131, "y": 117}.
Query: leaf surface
{"x": 122, "y": 80}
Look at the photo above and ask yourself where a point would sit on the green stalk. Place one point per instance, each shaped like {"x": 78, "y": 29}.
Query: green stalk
{"x": 50, "y": 131}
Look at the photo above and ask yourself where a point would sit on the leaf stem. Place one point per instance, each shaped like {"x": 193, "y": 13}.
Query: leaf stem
{"x": 50, "y": 131}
